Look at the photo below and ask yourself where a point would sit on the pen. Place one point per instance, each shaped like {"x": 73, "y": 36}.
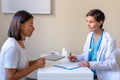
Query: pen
{"x": 70, "y": 54}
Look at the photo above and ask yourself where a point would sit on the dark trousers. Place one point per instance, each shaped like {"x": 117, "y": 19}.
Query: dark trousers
{"x": 95, "y": 77}
{"x": 30, "y": 79}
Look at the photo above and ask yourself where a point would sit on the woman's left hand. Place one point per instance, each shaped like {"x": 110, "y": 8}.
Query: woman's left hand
{"x": 84, "y": 64}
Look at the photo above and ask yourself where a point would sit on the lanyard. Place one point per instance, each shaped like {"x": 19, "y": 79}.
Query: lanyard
{"x": 94, "y": 47}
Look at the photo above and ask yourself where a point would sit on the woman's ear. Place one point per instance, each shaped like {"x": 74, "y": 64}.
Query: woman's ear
{"x": 21, "y": 26}
{"x": 101, "y": 22}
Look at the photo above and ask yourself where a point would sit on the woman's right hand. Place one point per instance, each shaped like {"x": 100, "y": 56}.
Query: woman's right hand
{"x": 40, "y": 62}
{"x": 72, "y": 58}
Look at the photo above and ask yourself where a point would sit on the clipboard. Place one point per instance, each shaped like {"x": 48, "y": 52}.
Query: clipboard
{"x": 54, "y": 57}
{"x": 68, "y": 66}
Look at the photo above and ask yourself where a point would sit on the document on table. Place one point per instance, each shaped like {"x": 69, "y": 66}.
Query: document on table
{"x": 68, "y": 66}
{"x": 54, "y": 57}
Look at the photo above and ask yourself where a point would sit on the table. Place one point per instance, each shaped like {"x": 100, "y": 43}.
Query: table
{"x": 54, "y": 73}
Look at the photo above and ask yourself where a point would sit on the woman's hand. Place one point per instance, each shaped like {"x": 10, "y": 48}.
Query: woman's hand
{"x": 84, "y": 64}
{"x": 72, "y": 58}
{"x": 40, "y": 62}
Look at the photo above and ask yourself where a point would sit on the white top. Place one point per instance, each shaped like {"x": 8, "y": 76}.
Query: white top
{"x": 12, "y": 56}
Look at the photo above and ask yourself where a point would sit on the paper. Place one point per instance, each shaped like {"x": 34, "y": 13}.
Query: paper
{"x": 68, "y": 66}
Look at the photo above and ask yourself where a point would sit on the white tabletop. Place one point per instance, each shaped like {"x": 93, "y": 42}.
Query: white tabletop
{"x": 55, "y": 73}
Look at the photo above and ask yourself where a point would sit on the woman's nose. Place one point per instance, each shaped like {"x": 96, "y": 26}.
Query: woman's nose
{"x": 33, "y": 28}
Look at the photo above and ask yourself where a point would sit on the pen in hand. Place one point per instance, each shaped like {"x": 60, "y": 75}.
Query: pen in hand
{"x": 72, "y": 58}
{"x": 70, "y": 54}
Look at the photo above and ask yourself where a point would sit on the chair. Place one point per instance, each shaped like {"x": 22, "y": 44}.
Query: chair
{"x": 117, "y": 56}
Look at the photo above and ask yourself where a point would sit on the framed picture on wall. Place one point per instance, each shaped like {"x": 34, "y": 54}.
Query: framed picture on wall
{"x": 33, "y": 6}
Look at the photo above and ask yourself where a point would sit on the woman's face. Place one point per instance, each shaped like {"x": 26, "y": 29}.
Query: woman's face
{"x": 27, "y": 28}
{"x": 92, "y": 24}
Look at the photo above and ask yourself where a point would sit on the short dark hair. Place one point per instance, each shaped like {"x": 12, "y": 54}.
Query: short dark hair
{"x": 20, "y": 17}
{"x": 97, "y": 14}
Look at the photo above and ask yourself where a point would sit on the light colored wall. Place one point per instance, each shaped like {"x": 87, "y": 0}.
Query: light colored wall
{"x": 65, "y": 26}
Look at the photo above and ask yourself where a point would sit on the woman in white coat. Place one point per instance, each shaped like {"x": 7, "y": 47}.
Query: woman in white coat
{"x": 98, "y": 49}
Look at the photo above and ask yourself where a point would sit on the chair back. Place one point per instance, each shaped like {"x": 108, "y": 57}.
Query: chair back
{"x": 117, "y": 56}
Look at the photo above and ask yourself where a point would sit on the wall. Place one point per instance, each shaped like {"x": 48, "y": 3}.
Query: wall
{"x": 66, "y": 26}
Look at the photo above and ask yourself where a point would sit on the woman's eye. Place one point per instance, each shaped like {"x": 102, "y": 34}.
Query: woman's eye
{"x": 31, "y": 25}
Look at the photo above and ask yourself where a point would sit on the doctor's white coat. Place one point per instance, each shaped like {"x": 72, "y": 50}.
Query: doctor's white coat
{"x": 105, "y": 65}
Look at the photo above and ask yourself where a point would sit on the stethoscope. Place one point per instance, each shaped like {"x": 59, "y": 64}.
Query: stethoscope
{"x": 92, "y": 42}
{"x": 91, "y": 48}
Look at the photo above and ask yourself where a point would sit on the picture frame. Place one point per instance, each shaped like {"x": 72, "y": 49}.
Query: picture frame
{"x": 33, "y": 6}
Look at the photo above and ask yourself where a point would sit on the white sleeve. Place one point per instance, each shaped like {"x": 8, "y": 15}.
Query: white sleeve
{"x": 11, "y": 58}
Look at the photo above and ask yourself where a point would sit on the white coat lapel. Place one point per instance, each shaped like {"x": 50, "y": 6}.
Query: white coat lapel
{"x": 102, "y": 47}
